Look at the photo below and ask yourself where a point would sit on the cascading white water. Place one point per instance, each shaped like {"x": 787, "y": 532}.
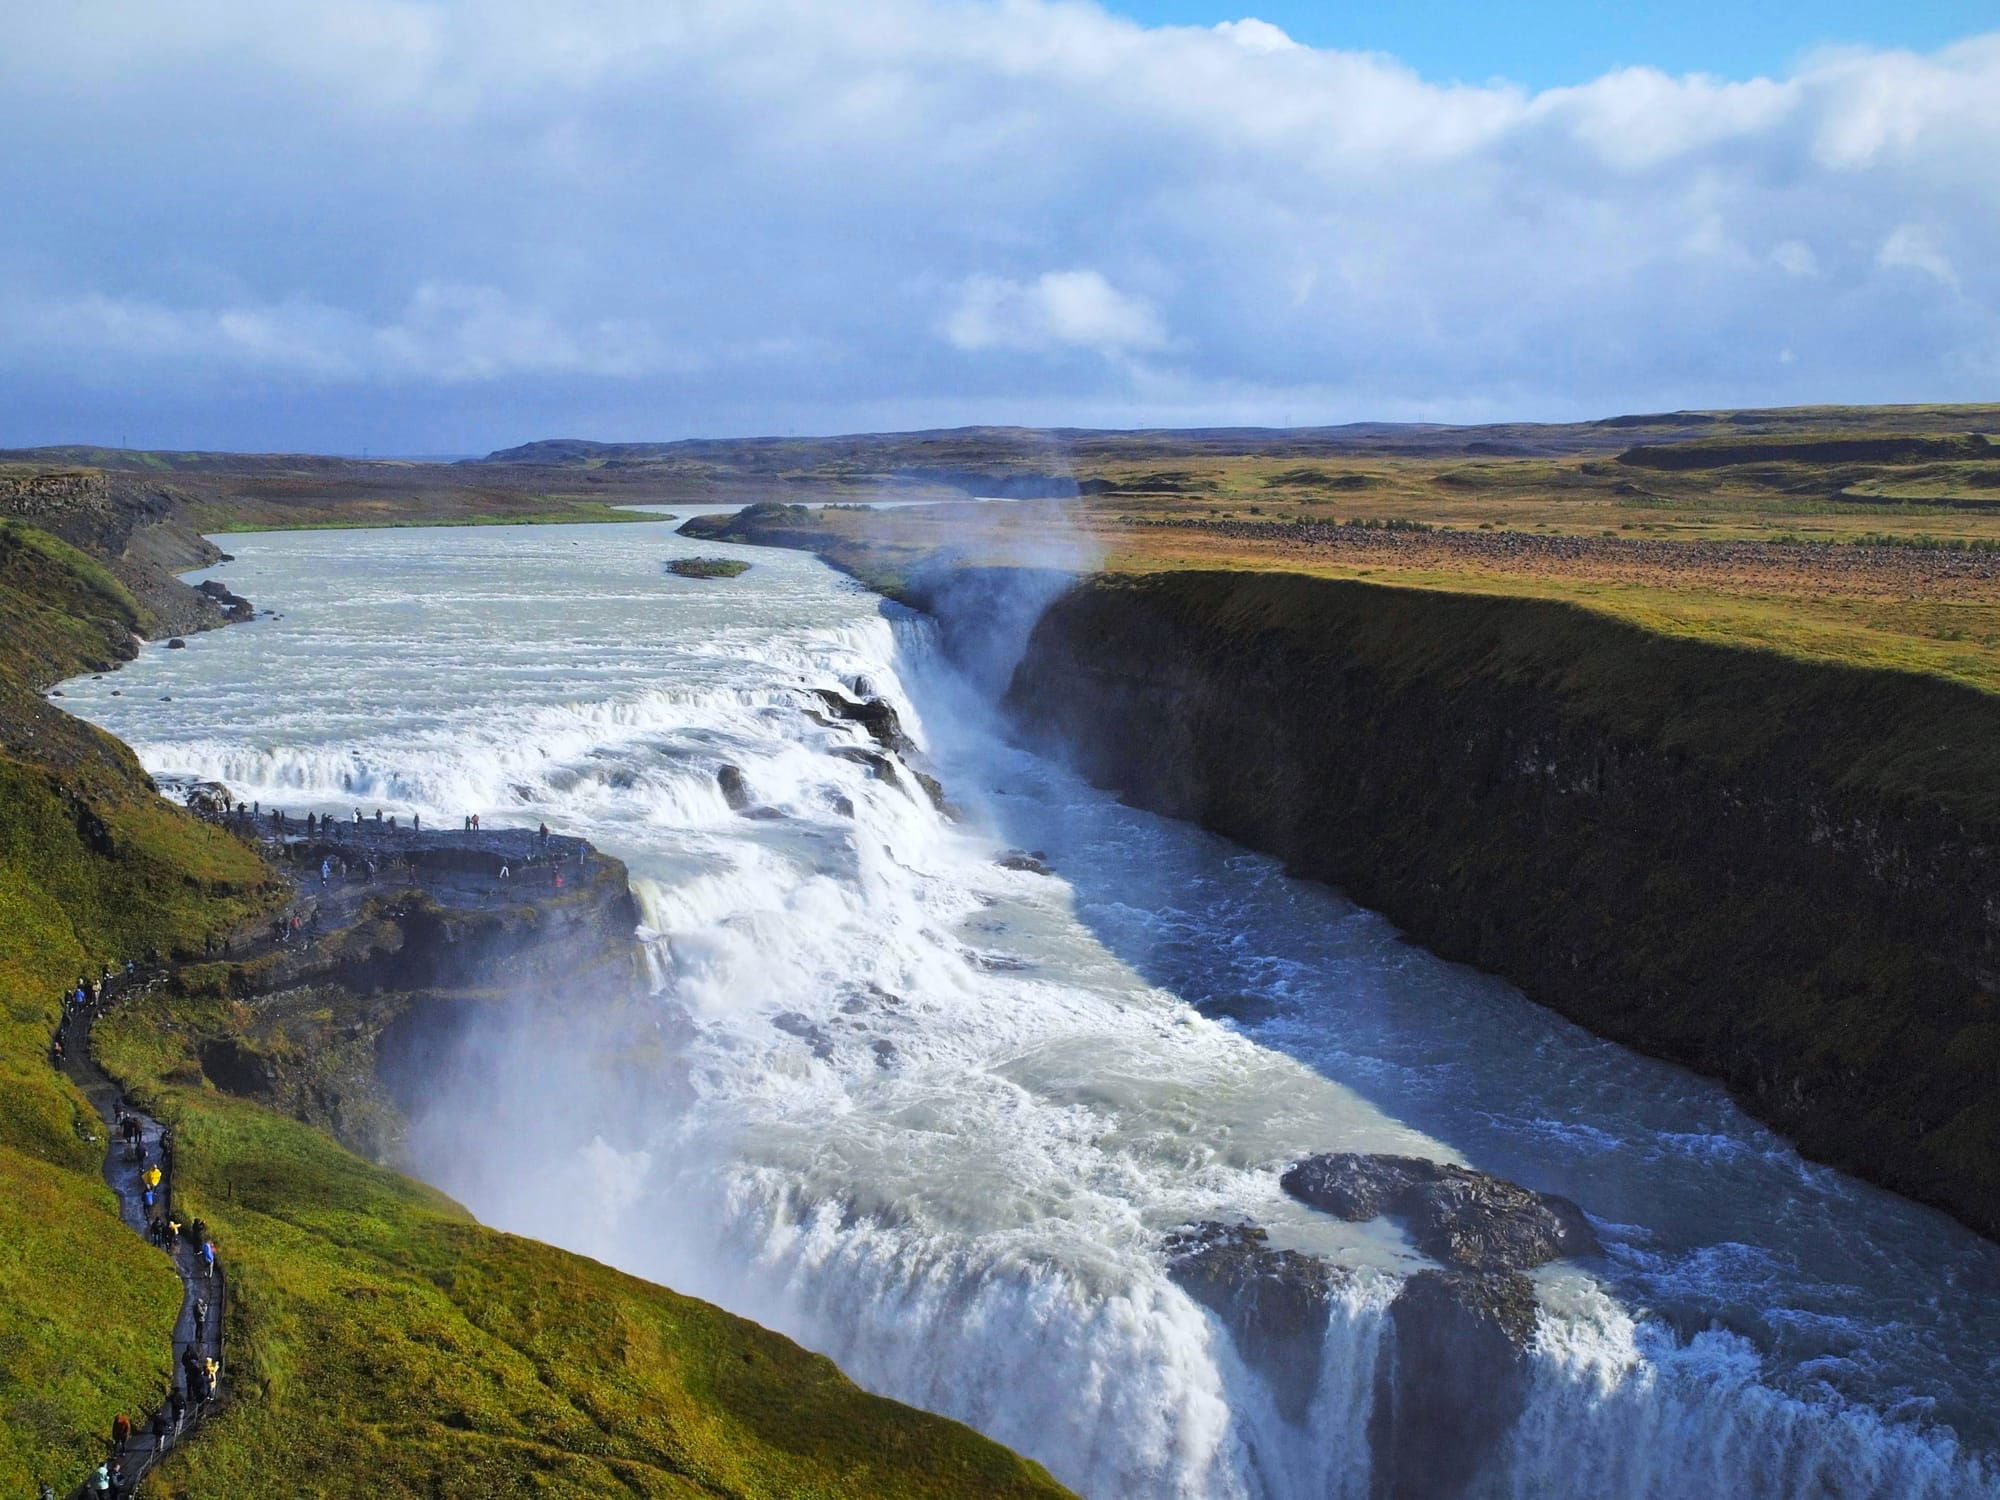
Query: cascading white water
{"x": 934, "y": 1116}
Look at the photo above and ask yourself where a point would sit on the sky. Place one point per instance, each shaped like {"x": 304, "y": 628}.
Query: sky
{"x": 1558, "y": 42}
{"x": 410, "y": 226}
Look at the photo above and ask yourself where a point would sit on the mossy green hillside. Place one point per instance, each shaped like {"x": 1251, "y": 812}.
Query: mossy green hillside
{"x": 94, "y": 869}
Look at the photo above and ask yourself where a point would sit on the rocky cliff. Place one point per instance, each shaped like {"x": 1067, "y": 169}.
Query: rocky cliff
{"x": 1785, "y": 875}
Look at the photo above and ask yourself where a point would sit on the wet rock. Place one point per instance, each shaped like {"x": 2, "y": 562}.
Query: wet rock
{"x": 879, "y": 765}
{"x": 1275, "y": 1303}
{"x": 735, "y": 790}
{"x": 863, "y": 686}
{"x": 1020, "y": 859}
{"x": 934, "y": 789}
{"x": 764, "y": 814}
{"x": 867, "y": 997}
{"x": 841, "y": 803}
{"x": 1455, "y": 1215}
{"x": 885, "y": 1052}
{"x": 806, "y": 1030}
{"x": 1244, "y": 1008}
{"x": 1450, "y": 1381}
{"x": 210, "y": 797}
{"x": 234, "y": 605}
{"x": 875, "y": 715}
{"x": 175, "y": 643}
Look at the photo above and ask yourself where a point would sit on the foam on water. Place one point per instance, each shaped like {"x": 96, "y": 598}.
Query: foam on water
{"x": 933, "y": 1116}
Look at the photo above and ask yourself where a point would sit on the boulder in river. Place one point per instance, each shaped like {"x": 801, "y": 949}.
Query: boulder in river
{"x": 1275, "y": 1303}
{"x": 234, "y": 605}
{"x": 175, "y": 643}
{"x": 1455, "y": 1215}
{"x": 1020, "y": 859}
{"x": 735, "y": 790}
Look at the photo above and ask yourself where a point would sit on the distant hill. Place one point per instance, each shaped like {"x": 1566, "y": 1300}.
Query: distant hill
{"x": 1052, "y": 450}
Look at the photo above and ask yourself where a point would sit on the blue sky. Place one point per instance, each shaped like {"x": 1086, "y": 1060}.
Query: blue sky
{"x": 444, "y": 226}
{"x": 1569, "y": 41}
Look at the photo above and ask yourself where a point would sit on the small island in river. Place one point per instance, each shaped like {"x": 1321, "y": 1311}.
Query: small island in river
{"x": 707, "y": 567}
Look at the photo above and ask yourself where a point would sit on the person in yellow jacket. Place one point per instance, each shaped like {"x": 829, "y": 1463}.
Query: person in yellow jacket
{"x": 151, "y": 1176}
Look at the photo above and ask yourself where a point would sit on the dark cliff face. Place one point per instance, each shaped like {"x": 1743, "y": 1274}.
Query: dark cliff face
{"x": 356, "y": 1031}
{"x": 1784, "y": 875}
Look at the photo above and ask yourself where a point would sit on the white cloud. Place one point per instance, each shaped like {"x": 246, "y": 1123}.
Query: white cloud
{"x": 1059, "y": 309}
{"x": 1911, "y": 247}
{"x": 1253, "y": 35}
{"x": 767, "y": 214}
{"x": 1795, "y": 258}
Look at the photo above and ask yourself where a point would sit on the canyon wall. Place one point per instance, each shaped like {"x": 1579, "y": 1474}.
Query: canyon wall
{"x": 1782, "y": 874}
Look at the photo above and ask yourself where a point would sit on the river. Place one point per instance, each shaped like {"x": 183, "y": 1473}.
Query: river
{"x": 934, "y": 1116}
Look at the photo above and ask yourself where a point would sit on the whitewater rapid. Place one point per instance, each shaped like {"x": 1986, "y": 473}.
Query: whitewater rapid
{"x": 934, "y": 1116}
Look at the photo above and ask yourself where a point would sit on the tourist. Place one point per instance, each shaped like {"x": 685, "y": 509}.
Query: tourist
{"x": 416, "y": 822}
{"x": 475, "y": 822}
{"x": 177, "y": 1405}
{"x": 208, "y": 1259}
{"x": 326, "y": 871}
{"x": 159, "y": 1429}
{"x": 200, "y": 1319}
{"x": 100, "y": 1482}
{"x": 121, "y": 1431}
{"x": 378, "y": 814}
{"x": 118, "y": 1490}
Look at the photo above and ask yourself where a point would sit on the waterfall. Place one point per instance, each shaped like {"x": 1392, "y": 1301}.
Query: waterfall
{"x": 936, "y": 1116}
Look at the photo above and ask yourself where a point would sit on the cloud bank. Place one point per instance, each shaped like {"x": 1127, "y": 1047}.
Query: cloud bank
{"x": 447, "y": 226}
